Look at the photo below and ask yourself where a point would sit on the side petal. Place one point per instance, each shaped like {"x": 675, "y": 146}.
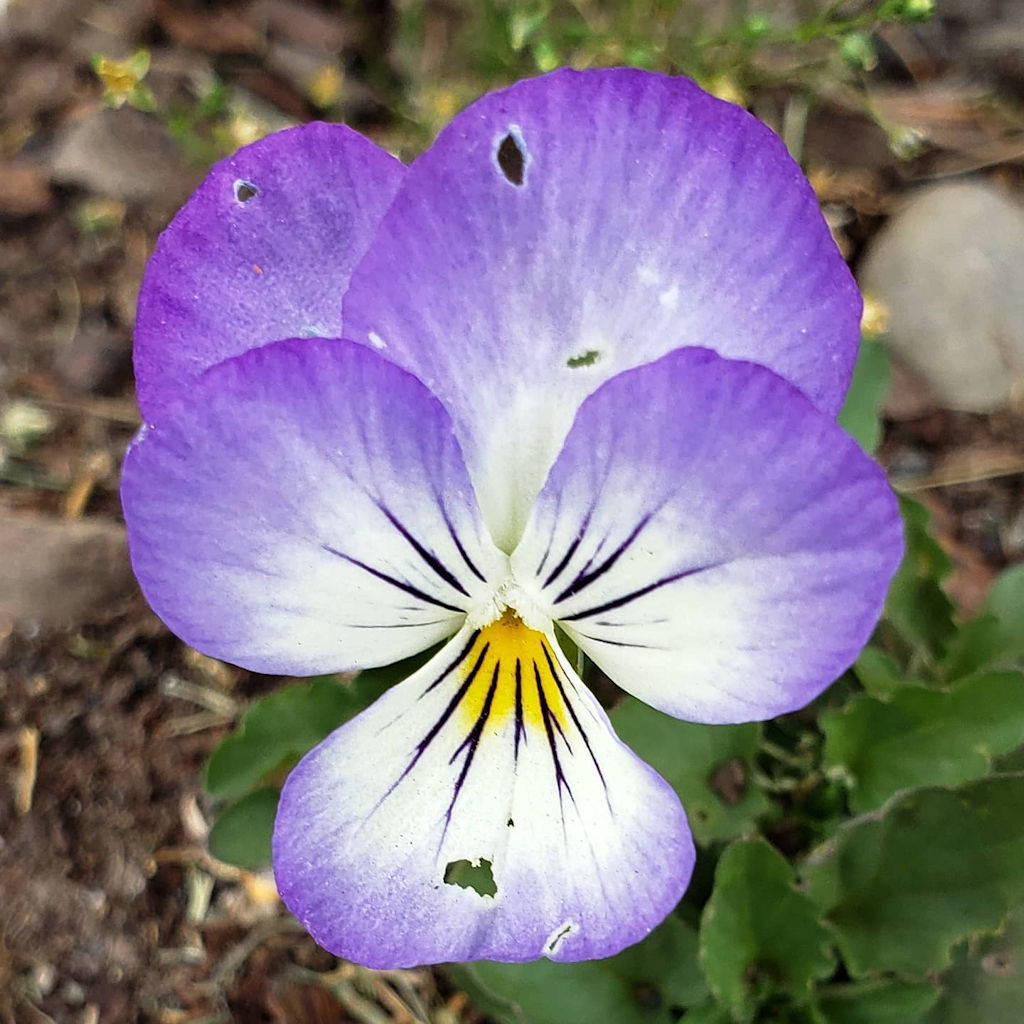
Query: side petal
{"x": 582, "y": 223}
{"x": 306, "y": 509}
{"x": 715, "y": 543}
{"x": 263, "y": 250}
{"x": 494, "y": 757}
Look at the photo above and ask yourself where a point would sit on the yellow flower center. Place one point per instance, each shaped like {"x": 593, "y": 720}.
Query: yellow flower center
{"x": 512, "y": 670}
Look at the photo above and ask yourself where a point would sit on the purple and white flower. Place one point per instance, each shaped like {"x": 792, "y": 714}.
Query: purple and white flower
{"x": 577, "y": 366}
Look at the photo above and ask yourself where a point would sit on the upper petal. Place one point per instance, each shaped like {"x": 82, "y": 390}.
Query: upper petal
{"x": 493, "y": 756}
{"x": 577, "y": 224}
{"x": 715, "y": 543}
{"x": 306, "y": 509}
{"x": 263, "y": 250}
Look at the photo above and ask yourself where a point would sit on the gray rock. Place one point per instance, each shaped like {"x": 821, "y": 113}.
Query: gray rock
{"x": 57, "y": 573}
{"x": 950, "y": 267}
{"x": 121, "y": 154}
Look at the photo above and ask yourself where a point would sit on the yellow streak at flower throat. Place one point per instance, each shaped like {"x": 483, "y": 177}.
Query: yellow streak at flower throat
{"x": 520, "y": 666}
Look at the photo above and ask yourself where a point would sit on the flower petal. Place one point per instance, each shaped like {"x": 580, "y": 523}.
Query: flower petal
{"x": 492, "y": 757}
{"x": 715, "y": 543}
{"x": 305, "y": 509}
{"x": 581, "y": 223}
{"x": 263, "y": 250}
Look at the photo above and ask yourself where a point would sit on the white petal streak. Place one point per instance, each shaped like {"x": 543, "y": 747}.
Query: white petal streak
{"x": 493, "y": 760}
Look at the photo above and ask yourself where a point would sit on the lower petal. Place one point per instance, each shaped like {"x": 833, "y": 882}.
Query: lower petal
{"x": 483, "y": 809}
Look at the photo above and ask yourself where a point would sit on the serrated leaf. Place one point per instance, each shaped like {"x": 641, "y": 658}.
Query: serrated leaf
{"x": 902, "y": 885}
{"x": 759, "y": 937}
{"x": 921, "y": 736}
{"x": 995, "y": 638}
{"x": 985, "y": 985}
{"x": 639, "y": 986}
{"x": 916, "y": 603}
{"x": 709, "y": 766}
{"x": 879, "y": 1001}
{"x": 241, "y": 834}
{"x": 859, "y": 416}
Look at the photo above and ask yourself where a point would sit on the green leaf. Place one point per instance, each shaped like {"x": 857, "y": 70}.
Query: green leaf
{"x": 985, "y": 985}
{"x": 709, "y": 766}
{"x": 859, "y": 416}
{"x": 275, "y": 732}
{"x": 708, "y": 1012}
{"x": 241, "y": 835}
{"x": 879, "y": 673}
{"x": 759, "y": 937}
{"x": 902, "y": 885}
{"x": 879, "y": 1001}
{"x": 639, "y": 986}
{"x": 995, "y": 638}
{"x": 916, "y": 604}
{"x": 278, "y": 729}
{"x": 922, "y": 736}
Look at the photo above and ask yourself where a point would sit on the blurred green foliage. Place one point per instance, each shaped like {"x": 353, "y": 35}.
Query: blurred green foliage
{"x": 448, "y": 54}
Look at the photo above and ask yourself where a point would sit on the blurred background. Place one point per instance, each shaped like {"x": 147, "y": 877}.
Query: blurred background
{"x": 911, "y": 129}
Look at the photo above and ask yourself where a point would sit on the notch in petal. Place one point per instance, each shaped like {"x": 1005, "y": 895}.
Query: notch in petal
{"x": 715, "y": 543}
{"x": 306, "y": 509}
{"x": 582, "y": 223}
{"x": 483, "y": 809}
{"x": 263, "y": 250}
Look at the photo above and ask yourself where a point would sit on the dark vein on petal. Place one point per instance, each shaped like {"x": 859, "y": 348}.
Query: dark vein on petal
{"x": 463, "y": 654}
{"x": 462, "y": 551}
{"x": 551, "y": 536}
{"x": 580, "y": 534}
{"x": 448, "y": 711}
{"x": 520, "y": 723}
{"x": 426, "y": 741}
{"x": 572, "y": 712}
{"x": 407, "y": 588}
{"x": 472, "y": 741}
{"x": 428, "y": 556}
{"x": 561, "y": 781}
{"x": 618, "y": 643}
{"x": 619, "y": 602}
{"x": 584, "y": 579}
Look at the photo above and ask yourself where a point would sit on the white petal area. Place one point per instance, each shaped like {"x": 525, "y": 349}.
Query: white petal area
{"x": 715, "y": 543}
{"x": 493, "y": 754}
{"x": 305, "y": 508}
{"x": 578, "y": 224}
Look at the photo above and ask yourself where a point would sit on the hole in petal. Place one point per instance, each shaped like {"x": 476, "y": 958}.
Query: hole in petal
{"x": 558, "y": 937}
{"x": 511, "y": 160}
{"x": 475, "y": 875}
{"x": 587, "y": 358}
{"x": 245, "y": 190}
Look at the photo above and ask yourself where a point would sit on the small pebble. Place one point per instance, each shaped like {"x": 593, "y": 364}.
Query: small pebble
{"x": 949, "y": 268}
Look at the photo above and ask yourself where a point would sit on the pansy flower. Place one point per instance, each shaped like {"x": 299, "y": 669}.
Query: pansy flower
{"x": 568, "y": 380}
